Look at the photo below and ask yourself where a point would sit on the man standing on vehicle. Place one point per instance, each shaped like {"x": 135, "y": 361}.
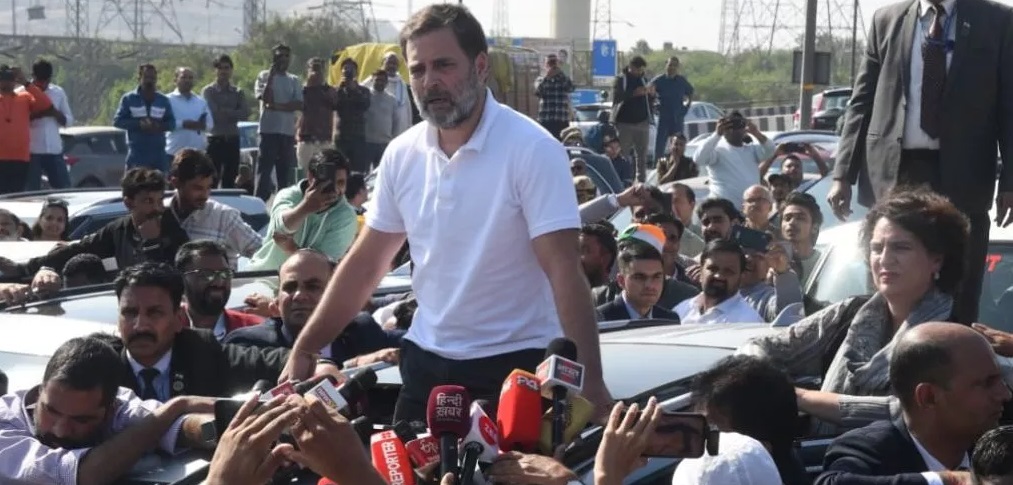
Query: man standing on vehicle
{"x": 732, "y": 159}
{"x": 193, "y": 119}
{"x": 631, "y": 112}
{"x": 675, "y": 95}
{"x": 46, "y": 144}
{"x": 353, "y": 102}
{"x": 913, "y": 119}
{"x": 464, "y": 331}
{"x": 280, "y": 95}
{"x": 553, "y": 91}
{"x": 16, "y": 111}
{"x": 227, "y": 103}
{"x": 146, "y": 115}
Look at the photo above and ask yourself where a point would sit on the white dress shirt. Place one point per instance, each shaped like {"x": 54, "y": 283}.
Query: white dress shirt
{"x": 733, "y": 310}
{"x": 187, "y": 108}
{"x": 45, "y": 131}
{"x": 914, "y": 136}
{"x": 161, "y": 382}
{"x": 934, "y": 465}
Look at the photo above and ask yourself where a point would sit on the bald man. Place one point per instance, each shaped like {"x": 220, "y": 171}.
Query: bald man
{"x": 950, "y": 388}
{"x": 302, "y": 279}
{"x": 193, "y": 117}
{"x": 757, "y": 204}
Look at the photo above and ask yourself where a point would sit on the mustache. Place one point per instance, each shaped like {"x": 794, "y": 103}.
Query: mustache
{"x": 54, "y": 441}
{"x": 142, "y": 335}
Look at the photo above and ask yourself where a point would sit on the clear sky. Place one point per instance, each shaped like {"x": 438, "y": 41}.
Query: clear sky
{"x": 691, "y": 23}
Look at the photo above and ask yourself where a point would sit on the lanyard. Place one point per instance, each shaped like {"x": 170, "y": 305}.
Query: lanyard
{"x": 947, "y": 43}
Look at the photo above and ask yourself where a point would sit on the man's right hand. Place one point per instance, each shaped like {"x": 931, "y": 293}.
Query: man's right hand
{"x": 956, "y": 478}
{"x": 722, "y": 126}
{"x": 150, "y": 228}
{"x": 839, "y": 199}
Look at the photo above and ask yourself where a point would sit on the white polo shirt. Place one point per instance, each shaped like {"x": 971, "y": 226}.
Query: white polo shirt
{"x": 470, "y": 220}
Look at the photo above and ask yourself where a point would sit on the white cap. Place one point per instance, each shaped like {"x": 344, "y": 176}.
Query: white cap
{"x": 741, "y": 460}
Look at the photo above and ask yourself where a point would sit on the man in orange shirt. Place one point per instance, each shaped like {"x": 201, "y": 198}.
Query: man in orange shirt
{"x": 16, "y": 109}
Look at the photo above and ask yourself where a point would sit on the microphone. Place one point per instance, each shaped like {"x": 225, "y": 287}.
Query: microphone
{"x": 338, "y": 398}
{"x": 423, "y": 450}
{"x": 520, "y": 406}
{"x": 390, "y": 458}
{"x": 364, "y": 428}
{"x": 481, "y": 444}
{"x": 559, "y": 374}
{"x": 447, "y": 414}
{"x": 579, "y": 412}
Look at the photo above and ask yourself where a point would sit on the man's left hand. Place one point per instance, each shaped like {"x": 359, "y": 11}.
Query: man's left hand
{"x": 520, "y": 468}
{"x": 1002, "y": 342}
{"x": 1004, "y": 209}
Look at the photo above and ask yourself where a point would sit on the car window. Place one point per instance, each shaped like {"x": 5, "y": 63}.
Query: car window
{"x": 586, "y": 113}
{"x": 79, "y": 227}
{"x": 599, "y": 181}
{"x": 714, "y": 113}
{"x": 248, "y": 137}
{"x": 996, "y": 308}
{"x": 839, "y": 101}
{"x": 698, "y": 112}
{"x": 843, "y": 274}
{"x": 96, "y": 144}
{"x": 820, "y": 190}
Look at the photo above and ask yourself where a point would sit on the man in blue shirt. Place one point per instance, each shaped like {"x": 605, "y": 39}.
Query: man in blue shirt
{"x": 146, "y": 115}
{"x": 675, "y": 94}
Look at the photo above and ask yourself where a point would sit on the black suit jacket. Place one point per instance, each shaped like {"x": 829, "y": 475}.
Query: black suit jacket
{"x": 880, "y": 453}
{"x": 201, "y": 366}
{"x": 362, "y": 336}
{"x": 616, "y": 310}
{"x": 977, "y": 105}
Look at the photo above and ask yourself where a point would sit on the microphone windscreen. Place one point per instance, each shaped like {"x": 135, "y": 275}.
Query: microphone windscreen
{"x": 520, "y": 412}
{"x": 424, "y": 450}
{"x": 447, "y": 411}
{"x": 326, "y": 481}
{"x": 405, "y": 431}
{"x": 483, "y": 433}
{"x": 390, "y": 458}
{"x": 358, "y": 384}
{"x": 562, "y": 347}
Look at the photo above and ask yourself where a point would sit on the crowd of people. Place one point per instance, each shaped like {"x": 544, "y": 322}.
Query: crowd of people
{"x": 506, "y": 240}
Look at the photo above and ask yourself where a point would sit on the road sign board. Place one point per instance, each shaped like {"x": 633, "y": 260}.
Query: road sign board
{"x": 584, "y": 96}
{"x": 604, "y": 61}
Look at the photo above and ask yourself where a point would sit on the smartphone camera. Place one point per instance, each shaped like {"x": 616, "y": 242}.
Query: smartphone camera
{"x": 794, "y": 148}
{"x": 324, "y": 174}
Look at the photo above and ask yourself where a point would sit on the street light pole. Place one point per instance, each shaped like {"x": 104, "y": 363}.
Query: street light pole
{"x": 805, "y": 107}
{"x": 854, "y": 40}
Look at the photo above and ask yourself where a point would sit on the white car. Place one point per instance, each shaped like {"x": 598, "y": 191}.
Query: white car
{"x": 586, "y": 116}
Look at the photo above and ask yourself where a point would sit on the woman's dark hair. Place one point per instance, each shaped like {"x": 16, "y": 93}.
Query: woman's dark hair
{"x": 58, "y": 203}
{"x": 931, "y": 218}
{"x": 466, "y": 28}
{"x": 758, "y": 400}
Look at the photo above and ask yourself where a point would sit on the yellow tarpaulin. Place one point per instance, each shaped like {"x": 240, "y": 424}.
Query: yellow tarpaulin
{"x": 369, "y": 57}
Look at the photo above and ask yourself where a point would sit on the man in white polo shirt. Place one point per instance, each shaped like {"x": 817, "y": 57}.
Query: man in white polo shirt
{"x": 485, "y": 198}
{"x": 193, "y": 118}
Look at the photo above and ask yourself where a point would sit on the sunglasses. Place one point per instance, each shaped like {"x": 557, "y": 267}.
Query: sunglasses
{"x": 55, "y": 203}
{"x": 209, "y": 275}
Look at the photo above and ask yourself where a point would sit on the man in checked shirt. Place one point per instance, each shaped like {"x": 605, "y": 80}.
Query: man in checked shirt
{"x": 193, "y": 175}
{"x": 553, "y": 91}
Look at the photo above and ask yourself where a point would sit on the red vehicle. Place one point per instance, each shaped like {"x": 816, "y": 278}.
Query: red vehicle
{"x": 828, "y": 106}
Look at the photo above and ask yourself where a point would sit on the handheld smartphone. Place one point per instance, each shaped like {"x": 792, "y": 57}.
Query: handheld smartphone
{"x": 751, "y": 238}
{"x": 325, "y": 173}
{"x": 681, "y": 435}
{"x": 793, "y": 147}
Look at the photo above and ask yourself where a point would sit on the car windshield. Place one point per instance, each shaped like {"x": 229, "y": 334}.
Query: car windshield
{"x": 836, "y": 100}
{"x": 819, "y": 191}
{"x": 588, "y": 113}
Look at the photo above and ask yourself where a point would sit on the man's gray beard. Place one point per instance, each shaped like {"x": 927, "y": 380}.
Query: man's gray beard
{"x": 462, "y": 106}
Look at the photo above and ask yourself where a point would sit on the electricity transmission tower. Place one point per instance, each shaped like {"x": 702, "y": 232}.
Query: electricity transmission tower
{"x": 254, "y": 14}
{"x": 500, "y": 19}
{"x": 137, "y": 16}
{"x": 356, "y": 14}
{"x": 77, "y": 19}
{"x": 602, "y": 28}
{"x": 770, "y": 24}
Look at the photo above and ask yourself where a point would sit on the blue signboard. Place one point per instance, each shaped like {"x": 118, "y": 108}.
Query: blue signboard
{"x": 584, "y": 96}
{"x": 604, "y": 60}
